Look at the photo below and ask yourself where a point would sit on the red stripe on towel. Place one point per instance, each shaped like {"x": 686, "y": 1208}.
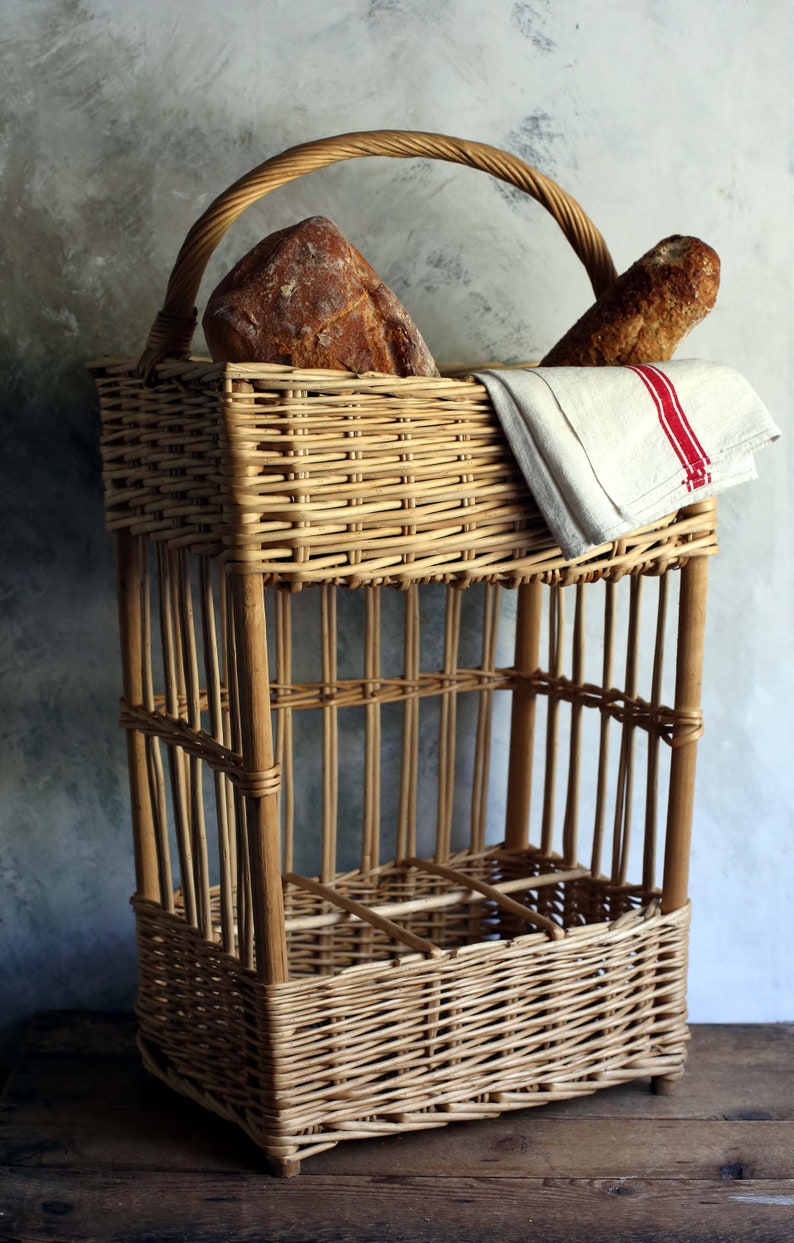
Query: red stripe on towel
{"x": 676, "y": 425}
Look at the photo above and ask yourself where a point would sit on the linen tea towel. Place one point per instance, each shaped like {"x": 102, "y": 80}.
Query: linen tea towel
{"x": 606, "y": 450}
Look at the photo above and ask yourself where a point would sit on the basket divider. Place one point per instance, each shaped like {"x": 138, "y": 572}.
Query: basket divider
{"x": 556, "y": 654}
{"x": 621, "y": 839}
{"x": 522, "y": 716}
{"x": 370, "y": 847}
{"x": 406, "y": 814}
{"x": 130, "y": 585}
{"x": 689, "y": 674}
{"x": 330, "y": 733}
{"x": 482, "y": 745}
{"x": 602, "y": 780}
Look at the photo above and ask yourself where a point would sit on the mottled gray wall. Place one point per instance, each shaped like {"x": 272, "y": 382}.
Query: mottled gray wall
{"x": 122, "y": 119}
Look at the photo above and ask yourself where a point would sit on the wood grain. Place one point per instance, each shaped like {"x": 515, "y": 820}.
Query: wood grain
{"x": 92, "y": 1148}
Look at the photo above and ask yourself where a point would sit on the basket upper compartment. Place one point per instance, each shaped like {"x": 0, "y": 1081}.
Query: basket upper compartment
{"x": 320, "y": 476}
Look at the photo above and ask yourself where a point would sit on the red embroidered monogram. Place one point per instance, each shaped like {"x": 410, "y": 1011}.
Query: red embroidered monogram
{"x": 676, "y": 425}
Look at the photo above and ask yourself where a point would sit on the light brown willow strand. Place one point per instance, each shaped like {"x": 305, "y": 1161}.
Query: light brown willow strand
{"x": 214, "y": 707}
{"x": 330, "y": 735}
{"x": 522, "y": 716}
{"x": 193, "y": 763}
{"x": 176, "y": 757}
{"x": 370, "y": 847}
{"x": 571, "y": 818}
{"x": 556, "y": 654}
{"x": 447, "y": 726}
{"x": 463, "y": 880}
{"x": 130, "y": 556}
{"x": 245, "y": 930}
{"x": 154, "y": 759}
{"x": 284, "y": 735}
{"x": 621, "y": 839}
{"x": 602, "y": 780}
{"x": 482, "y": 745}
{"x": 652, "y": 776}
{"x": 406, "y": 813}
{"x": 173, "y": 328}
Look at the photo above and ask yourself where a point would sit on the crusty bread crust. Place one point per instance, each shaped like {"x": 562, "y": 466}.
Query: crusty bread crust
{"x": 647, "y": 312}
{"x": 307, "y": 298}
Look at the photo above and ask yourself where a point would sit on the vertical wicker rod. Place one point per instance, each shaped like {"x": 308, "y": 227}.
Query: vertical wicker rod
{"x": 226, "y": 672}
{"x": 689, "y": 672}
{"x": 154, "y": 758}
{"x": 482, "y": 745}
{"x": 370, "y": 848}
{"x": 556, "y": 650}
{"x": 652, "y": 774}
{"x": 193, "y": 764}
{"x": 447, "y": 723}
{"x": 406, "y": 815}
{"x": 571, "y": 817}
{"x": 176, "y": 756}
{"x": 242, "y": 869}
{"x": 330, "y": 735}
{"x": 221, "y": 781}
{"x": 602, "y": 781}
{"x": 621, "y": 840}
{"x": 129, "y": 575}
{"x": 284, "y": 735}
{"x": 522, "y": 717}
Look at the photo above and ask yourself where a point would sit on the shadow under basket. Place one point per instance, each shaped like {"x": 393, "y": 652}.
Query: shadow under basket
{"x": 411, "y": 792}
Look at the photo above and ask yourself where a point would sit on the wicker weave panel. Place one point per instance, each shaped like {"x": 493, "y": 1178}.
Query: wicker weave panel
{"x": 311, "y": 477}
{"x": 414, "y": 1042}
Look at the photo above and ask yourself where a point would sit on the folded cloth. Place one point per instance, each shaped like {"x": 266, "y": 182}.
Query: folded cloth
{"x": 606, "y": 450}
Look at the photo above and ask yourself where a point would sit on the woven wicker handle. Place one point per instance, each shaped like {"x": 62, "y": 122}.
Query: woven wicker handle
{"x": 174, "y": 325}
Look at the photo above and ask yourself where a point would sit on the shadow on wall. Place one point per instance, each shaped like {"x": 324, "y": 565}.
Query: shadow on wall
{"x": 66, "y": 871}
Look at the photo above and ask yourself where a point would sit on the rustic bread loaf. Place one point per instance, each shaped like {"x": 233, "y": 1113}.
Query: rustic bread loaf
{"x": 647, "y": 312}
{"x": 305, "y": 297}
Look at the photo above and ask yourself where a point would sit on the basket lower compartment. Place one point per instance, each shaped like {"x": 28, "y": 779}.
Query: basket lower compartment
{"x": 501, "y": 1018}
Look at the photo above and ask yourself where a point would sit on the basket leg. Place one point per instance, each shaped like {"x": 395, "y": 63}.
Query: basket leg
{"x": 257, "y": 744}
{"x": 689, "y": 670}
{"x": 665, "y": 1085}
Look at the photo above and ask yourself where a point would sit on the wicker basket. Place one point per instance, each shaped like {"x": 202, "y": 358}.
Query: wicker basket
{"x": 331, "y": 945}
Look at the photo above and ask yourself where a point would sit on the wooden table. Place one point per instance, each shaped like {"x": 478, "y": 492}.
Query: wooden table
{"x": 91, "y": 1148}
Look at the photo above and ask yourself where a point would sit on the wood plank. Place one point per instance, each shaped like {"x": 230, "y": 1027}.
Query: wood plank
{"x": 527, "y": 1145}
{"x": 741, "y": 1073}
{"x": 82, "y": 1206}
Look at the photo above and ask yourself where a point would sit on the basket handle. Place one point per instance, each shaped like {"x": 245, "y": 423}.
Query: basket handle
{"x": 172, "y": 330}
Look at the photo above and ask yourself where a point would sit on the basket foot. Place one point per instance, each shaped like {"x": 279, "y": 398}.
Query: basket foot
{"x": 664, "y": 1085}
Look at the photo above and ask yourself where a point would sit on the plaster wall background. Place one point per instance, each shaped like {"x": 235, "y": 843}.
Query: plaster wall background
{"x": 121, "y": 120}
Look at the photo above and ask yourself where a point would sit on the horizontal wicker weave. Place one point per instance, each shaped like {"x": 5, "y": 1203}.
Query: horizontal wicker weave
{"x": 332, "y": 942}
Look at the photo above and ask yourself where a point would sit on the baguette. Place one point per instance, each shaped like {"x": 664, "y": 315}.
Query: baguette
{"x": 645, "y": 315}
